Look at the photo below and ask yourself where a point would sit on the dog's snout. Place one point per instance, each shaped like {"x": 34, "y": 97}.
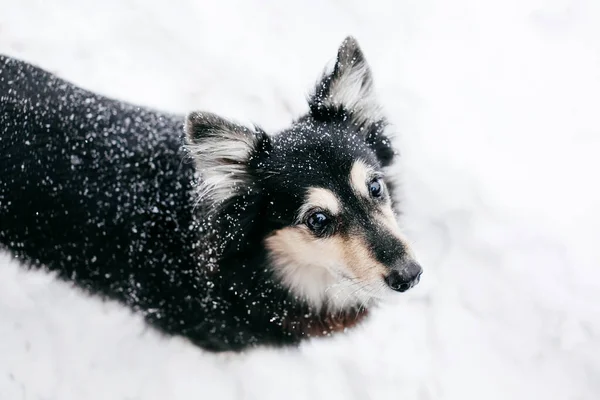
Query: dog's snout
{"x": 404, "y": 277}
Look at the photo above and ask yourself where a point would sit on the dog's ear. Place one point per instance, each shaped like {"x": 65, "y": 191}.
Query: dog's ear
{"x": 222, "y": 151}
{"x": 348, "y": 91}
{"x": 349, "y": 87}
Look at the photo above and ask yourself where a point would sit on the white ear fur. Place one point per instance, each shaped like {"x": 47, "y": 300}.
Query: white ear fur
{"x": 221, "y": 150}
{"x": 349, "y": 85}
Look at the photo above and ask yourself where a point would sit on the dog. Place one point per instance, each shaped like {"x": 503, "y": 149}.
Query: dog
{"x": 213, "y": 231}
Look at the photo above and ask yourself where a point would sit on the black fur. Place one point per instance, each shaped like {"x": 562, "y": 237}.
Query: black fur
{"x": 102, "y": 193}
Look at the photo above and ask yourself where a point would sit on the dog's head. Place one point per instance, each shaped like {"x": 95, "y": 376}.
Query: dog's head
{"x": 318, "y": 190}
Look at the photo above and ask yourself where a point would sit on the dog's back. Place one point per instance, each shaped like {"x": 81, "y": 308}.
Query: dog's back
{"x": 88, "y": 181}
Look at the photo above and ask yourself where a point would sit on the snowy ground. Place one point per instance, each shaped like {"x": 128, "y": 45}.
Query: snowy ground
{"x": 497, "y": 108}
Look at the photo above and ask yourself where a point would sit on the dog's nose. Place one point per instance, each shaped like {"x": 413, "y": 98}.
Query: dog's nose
{"x": 404, "y": 277}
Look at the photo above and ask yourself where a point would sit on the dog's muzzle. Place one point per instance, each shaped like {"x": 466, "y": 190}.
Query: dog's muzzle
{"x": 404, "y": 277}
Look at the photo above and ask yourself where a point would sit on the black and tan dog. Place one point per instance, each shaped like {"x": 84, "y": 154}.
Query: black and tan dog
{"x": 276, "y": 238}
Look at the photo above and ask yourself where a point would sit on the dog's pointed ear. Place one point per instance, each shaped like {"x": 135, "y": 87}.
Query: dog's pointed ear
{"x": 222, "y": 150}
{"x": 348, "y": 91}
{"x": 348, "y": 87}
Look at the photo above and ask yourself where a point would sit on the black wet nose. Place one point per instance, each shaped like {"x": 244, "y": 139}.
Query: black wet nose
{"x": 404, "y": 277}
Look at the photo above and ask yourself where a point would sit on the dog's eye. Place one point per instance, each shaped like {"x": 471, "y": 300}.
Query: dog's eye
{"x": 375, "y": 188}
{"x": 317, "y": 222}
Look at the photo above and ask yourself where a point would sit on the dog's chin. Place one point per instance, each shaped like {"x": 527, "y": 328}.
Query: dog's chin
{"x": 388, "y": 295}
{"x": 374, "y": 294}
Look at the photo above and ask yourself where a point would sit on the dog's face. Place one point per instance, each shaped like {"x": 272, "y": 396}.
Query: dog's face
{"x": 318, "y": 189}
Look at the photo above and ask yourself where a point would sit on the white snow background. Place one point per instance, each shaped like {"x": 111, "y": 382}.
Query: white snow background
{"x": 497, "y": 108}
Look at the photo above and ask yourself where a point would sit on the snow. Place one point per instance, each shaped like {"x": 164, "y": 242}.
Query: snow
{"x": 496, "y": 107}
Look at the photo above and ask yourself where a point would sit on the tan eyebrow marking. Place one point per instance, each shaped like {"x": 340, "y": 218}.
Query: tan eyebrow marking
{"x": 359, "y": 175}
{"x": 320, "y": 198}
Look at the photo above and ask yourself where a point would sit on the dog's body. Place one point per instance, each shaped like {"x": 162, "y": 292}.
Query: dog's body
{"x": 292, "y": 236}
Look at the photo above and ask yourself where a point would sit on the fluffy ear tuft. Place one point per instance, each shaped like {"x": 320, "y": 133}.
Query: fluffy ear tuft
{"x": 348, "y": 87}
{"x": 221, "y": 150}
